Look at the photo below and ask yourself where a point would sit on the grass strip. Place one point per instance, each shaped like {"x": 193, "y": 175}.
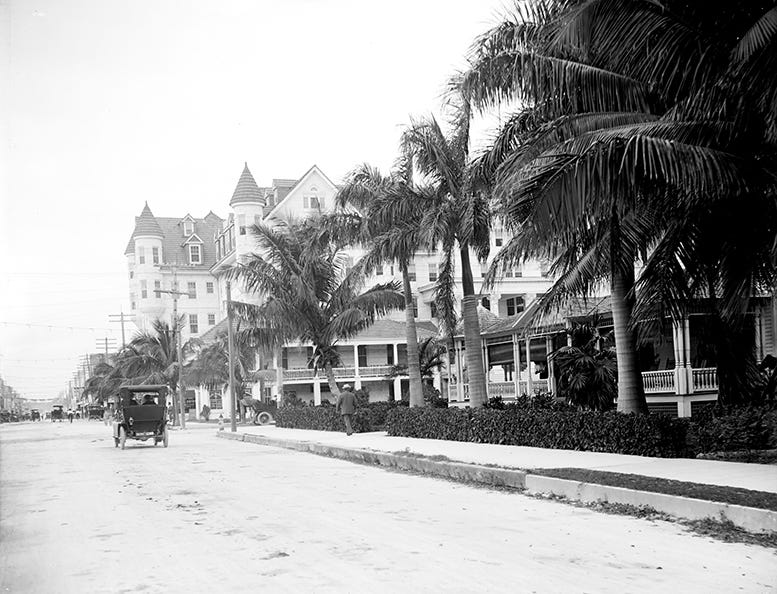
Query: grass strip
{"x": 717, "y": 493}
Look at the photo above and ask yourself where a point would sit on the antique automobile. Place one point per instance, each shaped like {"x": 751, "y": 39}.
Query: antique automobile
{"x": 94, "y": 411}
{"x": 57, "y": 413}
{"x": 141, "y": 414}
{"x": 35, "y": 414}
{"x": 261, "y": 411}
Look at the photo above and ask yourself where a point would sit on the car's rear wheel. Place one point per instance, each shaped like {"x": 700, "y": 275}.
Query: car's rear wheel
{"x": 263, "y": 418}
{"x": 164, "y": 437}
{"x": 122, "y": 437}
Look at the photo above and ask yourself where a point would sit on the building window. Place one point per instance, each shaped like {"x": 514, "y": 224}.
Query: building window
{"x": 313, "y": 202}
{"x": 433, "y": 307}
{"x": 433, "y": 270}
{"x": 155, "y": 255}
{"x": 195, "y": 256}
{"x": 215, "y": 400}
{"x": 411, "y": 273}
{"x": 143, "y": 289}
{"x": 132, "y": 300}
{"x": 415, "y": 307}
{"x": 515, "y": 305}
{"x": 284, "y": 358}
{"x": 486, "y": 302}
{"x": 362, "y": 353}
{"x": 257, "y": 219}
{"x": 390, "y": 354}
{"x": 241, "y": 224}
{"x": 379, "y": 271}
{"x": 483, "y": 269}
{"x": 211, "y": 319}
{"x": 193, "y": 325}
{"x": 188, "y": 228}
{"x": 498, "y": 242}
{"x": 141, "y": 255}
{"x": 157, "y": 288}
{"x": 209, "y": 288}
{"x": 132, "y": 274}
{"x": 192, "y": 290}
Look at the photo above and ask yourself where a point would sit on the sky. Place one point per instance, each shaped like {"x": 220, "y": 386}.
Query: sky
{"x": 108, "y": 104}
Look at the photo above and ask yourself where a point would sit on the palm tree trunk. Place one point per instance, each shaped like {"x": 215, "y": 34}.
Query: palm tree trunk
{"x": 476, "y": 376}
{"x": 330, "y": 379}
{"x": 411, "y": 336}
{"x": 631, "y": 392}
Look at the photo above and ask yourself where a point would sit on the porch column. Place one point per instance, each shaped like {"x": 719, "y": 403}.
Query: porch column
{"x": 437, "y": 379}
{"x": 357, "y": 383}
{"x": 316, "y": 390}
{"x": 759, "y": 341}
{"x": 550, "y": 364}
{"x": 687, "y": 354}
{"x": 449, "y": 369}
{"x": 529, "y": 382}
{"x": 459, "y": 374}
{"x": 277, "y": 388}
{"x": 516, "y": 365}
{"x": 484, "y": 349}
{"x": 680, "y": 377}
{"x": 397, "y": 388}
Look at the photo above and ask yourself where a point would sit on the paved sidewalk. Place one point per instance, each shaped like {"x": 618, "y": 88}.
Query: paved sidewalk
{"x": 757, "y": 477}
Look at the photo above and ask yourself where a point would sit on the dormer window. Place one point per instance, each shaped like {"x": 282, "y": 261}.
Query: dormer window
{"x": 312, "y": 201}
{"x": 188, "y": 228}
{"x": 195, "y": 254}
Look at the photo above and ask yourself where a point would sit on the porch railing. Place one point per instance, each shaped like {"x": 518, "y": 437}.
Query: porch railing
{"x": 503, "y": 389}
{"x": 371, "y": 371}
{"x": 298, "y": 374}
{"x": 705, "y": 379}
{"x": 375, "y": 371}
{"x": 656, "y": 382}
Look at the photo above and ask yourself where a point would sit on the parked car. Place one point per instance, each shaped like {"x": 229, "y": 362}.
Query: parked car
{"x": 35, "y": 414}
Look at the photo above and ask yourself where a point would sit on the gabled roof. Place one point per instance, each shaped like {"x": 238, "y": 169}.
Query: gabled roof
{"x": 308, "y": 173}
{"x": 246, "y": 190}
{"x": 193, "y": 238}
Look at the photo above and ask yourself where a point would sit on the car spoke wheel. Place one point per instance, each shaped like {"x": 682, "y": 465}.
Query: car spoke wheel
{"x": 263, "y": 418}
{"x": 122, "y": 437}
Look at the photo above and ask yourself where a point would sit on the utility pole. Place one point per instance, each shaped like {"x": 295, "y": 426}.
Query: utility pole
{"x": 231, "y": 347}
{"x": 105, "y": 343}
{"x": 178, "y": 346}
{"x": 120, "y": 317}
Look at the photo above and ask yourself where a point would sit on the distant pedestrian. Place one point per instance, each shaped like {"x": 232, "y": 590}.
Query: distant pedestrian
{"x": 346, "y": 404}
{"x": 70, "y": 414}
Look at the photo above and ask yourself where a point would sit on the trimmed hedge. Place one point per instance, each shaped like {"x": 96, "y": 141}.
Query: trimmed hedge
{"x": 371, "y": 417}
{"x": 642, "y": 435}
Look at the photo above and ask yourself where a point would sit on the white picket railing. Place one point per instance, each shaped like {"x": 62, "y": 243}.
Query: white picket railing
{"x": 656, "y": 382}
{"x": 705, "y": 379}
{"x": 503, "y": 389}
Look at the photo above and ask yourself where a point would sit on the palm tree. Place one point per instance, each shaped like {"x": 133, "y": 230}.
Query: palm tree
{"x": 387, "y": 223}
{"x": 646, "y": 134}
{"x": 210, "y": 365}
{"x": 431, "y": 357}
{"x": 151, "y": 358}
{"x": 104, "y": 382}
{"x": 456, "y": 218}
{"x": 308, "y": 296}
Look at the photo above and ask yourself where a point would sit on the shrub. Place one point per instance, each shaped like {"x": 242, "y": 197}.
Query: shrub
{"x": 371, "y": 417}
{"x": 645, "y": 435}
{"x": 433, "y": 398}
{"x": 723, "y": 429}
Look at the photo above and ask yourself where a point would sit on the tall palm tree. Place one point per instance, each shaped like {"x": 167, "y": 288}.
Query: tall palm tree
{"x": 150, "y": 357}
{"x": 104, "y": 382}
{"x": 646, "y": 134}
{"x": 308, "y": 295}
{"x": 387, "y": 223}
{"x": 456, "y": 218}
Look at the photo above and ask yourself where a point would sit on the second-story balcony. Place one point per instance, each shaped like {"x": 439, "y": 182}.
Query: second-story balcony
{"x": 369, "y": 371}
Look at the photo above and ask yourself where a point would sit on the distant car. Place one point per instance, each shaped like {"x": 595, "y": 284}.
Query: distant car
{"x": 35, "y": 414}
{"x": 57, "y": 413}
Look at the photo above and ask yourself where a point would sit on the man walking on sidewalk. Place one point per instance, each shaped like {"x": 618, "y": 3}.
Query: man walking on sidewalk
{"x": 346, "y": 404}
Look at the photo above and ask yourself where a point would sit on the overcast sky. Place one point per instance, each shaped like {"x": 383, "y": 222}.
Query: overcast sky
{"x": 107, "y": 104}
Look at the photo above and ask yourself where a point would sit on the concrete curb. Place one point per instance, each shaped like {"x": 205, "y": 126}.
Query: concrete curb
{"x": 748, "y": 518}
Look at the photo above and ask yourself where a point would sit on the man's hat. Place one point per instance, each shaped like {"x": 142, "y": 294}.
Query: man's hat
{"x": 347, "y": 387}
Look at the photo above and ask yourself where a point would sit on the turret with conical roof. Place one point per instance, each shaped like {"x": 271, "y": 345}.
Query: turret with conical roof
{"x": 146, "y": 224}
{"x": 246, "y": 191}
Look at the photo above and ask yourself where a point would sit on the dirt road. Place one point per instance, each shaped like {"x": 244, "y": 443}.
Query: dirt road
{"x": 211, "y": 515}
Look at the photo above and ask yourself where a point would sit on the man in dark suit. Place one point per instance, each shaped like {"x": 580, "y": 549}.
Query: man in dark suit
{"x": 346, "y": 404}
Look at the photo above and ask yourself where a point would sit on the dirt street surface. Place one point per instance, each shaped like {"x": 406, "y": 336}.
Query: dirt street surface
{"x": 212, "y": 515}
